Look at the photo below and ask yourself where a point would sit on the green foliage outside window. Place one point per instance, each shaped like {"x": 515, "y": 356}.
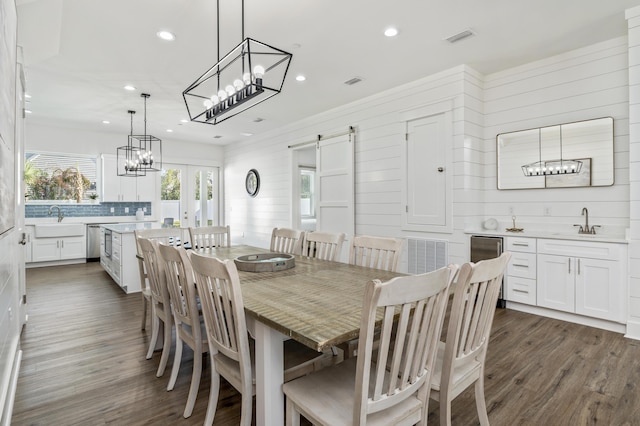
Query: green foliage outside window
{"x": 59, "y": 183}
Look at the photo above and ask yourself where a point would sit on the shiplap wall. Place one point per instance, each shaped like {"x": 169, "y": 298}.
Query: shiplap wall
{"x": 378, "y": 174}
{"x": 582, "y": 84}
{"x": 633, "y": 324}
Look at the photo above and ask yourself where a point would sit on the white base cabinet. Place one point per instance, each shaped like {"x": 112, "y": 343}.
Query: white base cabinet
{"x": 53, "y": 249}
{"x": 578, "y": 277}
{"x": 122, "y": 265}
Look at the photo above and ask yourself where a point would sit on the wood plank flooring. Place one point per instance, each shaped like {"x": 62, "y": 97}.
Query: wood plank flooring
{"x": 84, "y": 364}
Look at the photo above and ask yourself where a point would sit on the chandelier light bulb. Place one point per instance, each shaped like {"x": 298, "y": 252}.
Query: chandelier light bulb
{"x": 230, "y": 90}
{"x": 222, "y": 95}
{"x": 238, "y": 84}
{"x": 258, "y": 71}
{"x": 207, "y": 103}
{"x": 215, "y": 100}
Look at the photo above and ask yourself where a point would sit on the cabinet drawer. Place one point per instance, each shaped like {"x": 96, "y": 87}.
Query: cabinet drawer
{"x": 518, "y": 244}
{"x": 116, "y": 238}
{"x": 522, "y": 265}
{"x": 585, "y": 249}
{"x": 115, "y": 254}
{"x": 521, "y": 290}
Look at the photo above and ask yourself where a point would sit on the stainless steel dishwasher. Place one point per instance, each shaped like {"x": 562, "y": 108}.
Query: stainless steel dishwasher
{"x": 483, "y": 247}
{"x": 93, "y": 242}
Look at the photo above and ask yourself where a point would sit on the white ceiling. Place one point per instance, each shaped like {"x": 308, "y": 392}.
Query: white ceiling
{"x": 79, "y": 54}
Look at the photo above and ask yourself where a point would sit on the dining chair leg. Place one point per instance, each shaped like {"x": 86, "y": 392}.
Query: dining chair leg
{"x": 144, "y": 311}
{"x": 195, "y": 384}
{"x": 246, "y": 409}
{"x": 291, "y": 414}
{"x": 445, "y": 410}
{"x": 166, "y": 348}
{"x": 155, "y": 326}
{"x": 213, "y": 395}
{"x": 176, "y": 363}
{"x": 481, "y": 404}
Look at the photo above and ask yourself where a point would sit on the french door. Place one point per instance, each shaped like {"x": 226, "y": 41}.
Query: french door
{"x": 189, "y": 195}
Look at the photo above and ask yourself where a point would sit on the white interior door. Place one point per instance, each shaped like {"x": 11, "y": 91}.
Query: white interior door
{"x": 190, "y": 195}
{"x": 334, "y": 183}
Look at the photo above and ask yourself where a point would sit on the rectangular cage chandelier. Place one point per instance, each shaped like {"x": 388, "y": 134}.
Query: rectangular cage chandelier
{"x": 248, "y": 75}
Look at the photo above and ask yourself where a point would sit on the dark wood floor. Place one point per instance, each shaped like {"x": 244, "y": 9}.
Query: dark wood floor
{"x": 84, "y": 364}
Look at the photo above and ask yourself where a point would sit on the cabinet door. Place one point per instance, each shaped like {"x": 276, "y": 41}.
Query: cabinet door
{"x": 146, "y": 187}
{"x": 555, "y": 286}
{"x": 73, "y": 248}
{"x": 46, "y": 249}
{"x": 598, "y": 289}
{"x": 110, "y": 179}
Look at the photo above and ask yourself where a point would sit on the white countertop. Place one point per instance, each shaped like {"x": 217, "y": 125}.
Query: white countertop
{"x": 123, "y": 228}
{"x": 603, "y": 238}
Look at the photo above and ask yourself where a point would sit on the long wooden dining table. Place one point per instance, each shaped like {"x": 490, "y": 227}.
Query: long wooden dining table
{"x": 317, "y": 302}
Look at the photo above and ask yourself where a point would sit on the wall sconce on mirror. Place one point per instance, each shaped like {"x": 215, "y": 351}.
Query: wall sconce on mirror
{"x": 566, "y": 155}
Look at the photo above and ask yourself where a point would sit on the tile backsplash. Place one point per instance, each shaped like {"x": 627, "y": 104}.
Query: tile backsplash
{"x": 88, "y": 210}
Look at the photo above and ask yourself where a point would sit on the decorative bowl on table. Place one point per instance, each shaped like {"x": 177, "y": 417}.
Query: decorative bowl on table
{"x": 265, "y": 262}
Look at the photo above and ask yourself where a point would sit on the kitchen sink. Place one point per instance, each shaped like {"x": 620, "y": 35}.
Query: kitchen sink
{"x": 59, "y": 230}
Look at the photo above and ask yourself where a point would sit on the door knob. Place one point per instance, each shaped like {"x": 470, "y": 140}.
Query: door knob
{"x": 23, "y": 241}
{"x": 441, "y": 169}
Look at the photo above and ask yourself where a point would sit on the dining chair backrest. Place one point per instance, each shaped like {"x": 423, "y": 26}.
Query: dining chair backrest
{"x": 284, "y": 240}
{"x": 167, "y": 236}
{"x": 376, "y": 252}
{"x": 182, "y": 292}
{"x": 472, "y": 310}
{"x": 155, "y": 269}
{"x": 323, "y": 245}
{"x": 399, "y": 363}
{"x": 218, "y": 285}
{"x": 210, "y": 236}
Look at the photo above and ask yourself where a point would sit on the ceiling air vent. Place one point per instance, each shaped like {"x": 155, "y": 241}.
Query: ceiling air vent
{"x": 353, "y": 81}
{"x": 217, "y": 136}
{"x": 459, "y": 36}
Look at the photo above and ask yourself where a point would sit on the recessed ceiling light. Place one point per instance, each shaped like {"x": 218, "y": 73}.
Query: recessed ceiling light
{"x": 301, "y": 77}
{"x": 184, "y": 120}
{"x": 129, "y": 88}
{"x": 166, "y": 35}
{"x": 27, "y": 111}
{"x": 106, "y": 122}
{"x": 391, "y": 32}
{"x": 246, "y": 134}
{"x": 169, "y": 131}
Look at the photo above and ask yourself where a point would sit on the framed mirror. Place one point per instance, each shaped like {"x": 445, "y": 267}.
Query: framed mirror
{"x": 547, "y": 157}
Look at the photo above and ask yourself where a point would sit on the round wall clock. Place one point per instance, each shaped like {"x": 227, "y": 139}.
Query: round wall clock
{"x": 252, "y": 182}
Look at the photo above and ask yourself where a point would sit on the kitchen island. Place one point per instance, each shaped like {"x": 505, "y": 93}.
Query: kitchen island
{"x": 118, "y": 253}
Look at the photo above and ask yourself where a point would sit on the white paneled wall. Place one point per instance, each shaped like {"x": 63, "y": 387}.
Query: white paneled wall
{"x": 578, "y": 85}
{"x": 633, "y": 325}
{"x": 378, "y": 175}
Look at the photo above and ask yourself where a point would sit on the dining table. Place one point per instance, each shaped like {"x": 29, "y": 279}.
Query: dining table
{"x": 317, "y": 302}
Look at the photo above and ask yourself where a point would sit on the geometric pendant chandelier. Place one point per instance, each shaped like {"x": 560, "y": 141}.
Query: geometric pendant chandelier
{"x": 248, "y": 75}
{"x": 142, "y": 154}
{"x": 127, "y": 156}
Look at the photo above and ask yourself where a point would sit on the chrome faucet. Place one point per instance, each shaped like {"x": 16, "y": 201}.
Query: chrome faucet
{"x": 60, "y": 214}
{"x": 585, "y": 229}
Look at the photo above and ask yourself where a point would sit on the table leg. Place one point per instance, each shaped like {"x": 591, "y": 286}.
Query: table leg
{"x": 269, "y": 375}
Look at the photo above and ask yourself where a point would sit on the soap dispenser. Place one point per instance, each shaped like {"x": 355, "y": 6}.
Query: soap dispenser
{"x": 139, "y": 214}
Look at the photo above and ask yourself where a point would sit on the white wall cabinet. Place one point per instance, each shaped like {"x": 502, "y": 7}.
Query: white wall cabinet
{"x": 53, "y": 249}
{"x": 582, "y": 278}
{"x": 124, "y": 188}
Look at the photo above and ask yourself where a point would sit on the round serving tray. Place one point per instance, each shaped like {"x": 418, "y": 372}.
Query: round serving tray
{"x": 265, "y": 262}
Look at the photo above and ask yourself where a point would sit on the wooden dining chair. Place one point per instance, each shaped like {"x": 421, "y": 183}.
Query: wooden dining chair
{"x": 389, "y": 382}
{"x": 165, "y": 235}
{"x": 376, "y": 252}
{"x": 232, "y": 350}
{"x": 323, "y": 245}
{"x": 460, "y": 360}
{"x": 159, "y": 300}
{"x": 186, "y": 317}
{"x": 284, "y": 240}
{"x": 210, "y": 236}
{"x": 372, "y": 252}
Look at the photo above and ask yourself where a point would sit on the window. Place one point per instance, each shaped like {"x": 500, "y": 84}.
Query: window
{"x": 307, "y": 192}
{"x": 50, "y": 176}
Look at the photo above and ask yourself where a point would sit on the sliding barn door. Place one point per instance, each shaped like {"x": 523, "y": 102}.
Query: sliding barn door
{"x": 335, "y": 187}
